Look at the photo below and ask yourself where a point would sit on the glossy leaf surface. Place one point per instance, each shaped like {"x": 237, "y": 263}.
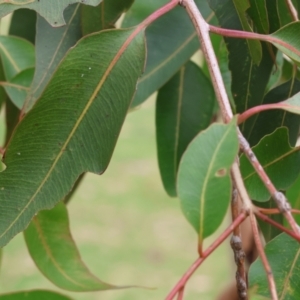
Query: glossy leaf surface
{"x": 17, "y": 55}
{"x": 51, "y": 11}
{"x": 68, "y": 137}
{"x": 61, "y": 265}
{"x": 283, "y": 254}
{"x": 167, "y": 49}
{"x": 34, "y": 295}
{"x": 51, "y": 46}
{"x": 204, "y": 184}
{"x": 103, "y": 16}
{"x": 184, "y": 107}
{"x": 280, "y": 161}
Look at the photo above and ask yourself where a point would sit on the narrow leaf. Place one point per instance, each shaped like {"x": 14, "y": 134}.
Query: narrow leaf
{"x": 34, "y": 295}
{"x": 73, "y": 137}
{"x": 61, "y": 265}
{"x": 17, "y": 55}
{"x": 51, "y": 46}
{"x": 280, "y": 161}
{"x": 285, "y": 39}
{"x": 18, "y": 87}
{"x": 184, "y": 107}
{"x": 204, "y": 184}
{"x": 52, "y": 10}
{"x": 175, "y": 46}
{"x": 293, "y": 196}
{"x": 283, "y": 254}
{"x": 259, "y": 14}
{"x": 103, "y": 16}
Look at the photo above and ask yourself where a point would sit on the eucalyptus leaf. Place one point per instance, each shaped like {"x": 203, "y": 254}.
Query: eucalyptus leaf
{"x": 34, "y": 295}
{"x": 61, "y": 265}
{"x": 51, "y": 11}
{"x": 283, "y": 254}
{"x": 259, "y": 14}
{"x": 293, "y": 196}
{"x": 280, "y": 161}
{"x": 67, "y": 137}
{"x": 184, "y": 107}
{"x": 204, "y": 184}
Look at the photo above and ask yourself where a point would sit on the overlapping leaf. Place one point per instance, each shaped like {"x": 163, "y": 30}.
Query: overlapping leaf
{"x": 293, "y": 196}
{"x": 103, "y": 16}
{"x": 34, "y": 295}
{"x": 184, "y": 107}
{"x": 283, "y": 254}
{"x": 259, "y": 15}
{"x": 61, "y": 264}
{"x": 72, "y": 129}
{"x": 52, "y": 10}
{"x": 51, "y": 46}
{"x": 171, "y": 41}
{"x": 280, "y": 161}
{"x": 204, "y": 184}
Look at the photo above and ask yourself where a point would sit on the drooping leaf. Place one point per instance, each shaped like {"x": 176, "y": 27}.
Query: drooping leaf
{"x": 284, "y": 14}
{"x": 68, "y": 137}
{"x": 51, "y": 11}
{"x": 266, "y": 122}
{"x": 284, "y": 39}
{"x": 254, "y": 46}
{"x": 23, "y": 24}
{"x": 184, "y": 107}
{"x": 167, "y": 49}
{"x": 17, "y": 55}
{"x": 273, "y": 15}
{"x": 293, "y": 196}
{"x": 259, "y": 14}
{"x": 11, "y": 118}
{"x": 249, "y": 81}
{"x": 18, "y": 87}
{"x": 103, "y": 16}
{"x": 280, "y": 161}
{"x": 283, "y": 254}
{"x": 62, "y": 264}
{"x": 204, "y": 184}
{"x": 34, "y": 295}
{"x": 51, "y": 46}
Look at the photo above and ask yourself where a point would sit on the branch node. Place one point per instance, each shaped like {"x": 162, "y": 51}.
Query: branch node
{"x": 281, "y": 202}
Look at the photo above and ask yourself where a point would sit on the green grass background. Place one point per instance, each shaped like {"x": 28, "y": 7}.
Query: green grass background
{"x": 128, "y": 231}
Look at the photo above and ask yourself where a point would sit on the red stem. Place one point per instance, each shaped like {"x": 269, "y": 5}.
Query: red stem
{"x": 206, "y": 253}
{"x": 180, "y": 294}
{"x": 273, "y": 211}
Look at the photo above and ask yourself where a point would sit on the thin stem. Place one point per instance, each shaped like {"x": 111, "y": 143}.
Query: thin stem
{"x": 277, "y": 225}
{"x": 274, "y": 211}
{"x": 206, "y": 253}
{"x": 180, "y": 294}
{"x": 260, "y": 249}
{"x": 292, "y": 9}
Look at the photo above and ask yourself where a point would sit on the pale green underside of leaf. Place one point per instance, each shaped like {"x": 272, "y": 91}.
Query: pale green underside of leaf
{"x": 61, "y": 265}
{"x": 292, "y": 104}
{"x": 72, "y": 129}
{"x": 184, "y": 107}
{"x": 204, "y": 184}
{"x": 280, "y": 161}
{"x": 283, "y": 254}
{"x": 34, "y": 295}
{"x": 51, "y": 45}
{"x": 52, "y": 10}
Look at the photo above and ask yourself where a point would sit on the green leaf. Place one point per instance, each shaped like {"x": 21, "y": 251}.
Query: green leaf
{"x": 293, "y": 196}
{"x": 284, "y": 39}
{"x": 167, "y": 49}
{"x": 34, "y": 295}
{"x": 103, "y": 16}
{"x": 249, "y": 81}
{"x": 16, "y": 54}
{"x": 67, "y": 137}
{"x": 18, "y": 87}
{"x": 51, "y": 46}
{"x": 284, "y": 14}
{"x": 280, "y": 161}
{"x": 283, "y": 254}
{"x": 11, "y": 118}
{"x": 259, "y": 14}
{"x": 266, "y": 122}
{"x": 184, "y": 107}
{"x": 254, "y": 46}
{"x": 62, "y": 264}
{"x": 51, "y": 11}
{"x": 204, "y": 184}
{"x": 23, "y": 24}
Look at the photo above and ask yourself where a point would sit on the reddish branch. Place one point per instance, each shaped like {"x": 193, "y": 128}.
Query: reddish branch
{"x": 182, "y": 282}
